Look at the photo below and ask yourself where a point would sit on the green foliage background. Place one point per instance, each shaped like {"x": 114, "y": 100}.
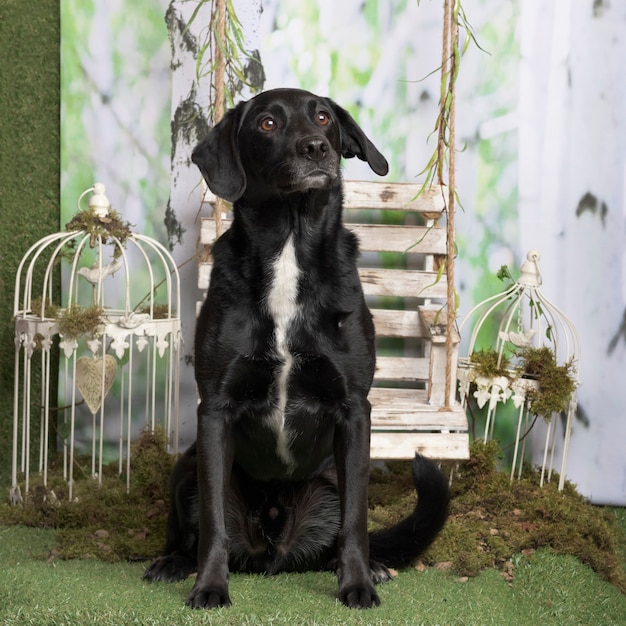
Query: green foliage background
{"x": 115, "y": 114}
{"x": 115, "y": 71}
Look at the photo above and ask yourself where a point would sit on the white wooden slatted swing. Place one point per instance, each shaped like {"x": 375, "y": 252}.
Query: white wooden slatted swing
{"x": 409, "y": 408}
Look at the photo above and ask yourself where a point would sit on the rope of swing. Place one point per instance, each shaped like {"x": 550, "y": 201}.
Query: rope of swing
{"x": 448, "y": 98}
{"x": 218, "y": 84}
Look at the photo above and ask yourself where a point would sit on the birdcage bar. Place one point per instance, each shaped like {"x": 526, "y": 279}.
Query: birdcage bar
{"x": 523, "y": 411}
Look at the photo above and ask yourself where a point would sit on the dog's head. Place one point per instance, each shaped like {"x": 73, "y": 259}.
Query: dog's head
{"x": 279, "y": 142}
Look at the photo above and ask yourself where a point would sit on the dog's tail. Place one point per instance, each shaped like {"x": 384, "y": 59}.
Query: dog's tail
{"x": 401, "y": 544}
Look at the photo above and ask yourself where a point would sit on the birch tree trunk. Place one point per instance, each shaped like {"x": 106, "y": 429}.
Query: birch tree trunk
{"x": 572, "y": 173}
{"x": 189, "y": 124}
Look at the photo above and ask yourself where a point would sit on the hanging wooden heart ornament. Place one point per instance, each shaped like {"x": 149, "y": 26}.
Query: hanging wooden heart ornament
{"x": 89, "y": 374}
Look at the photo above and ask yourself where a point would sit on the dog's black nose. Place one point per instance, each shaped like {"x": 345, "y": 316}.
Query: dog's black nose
{"x": 313, "y": 148}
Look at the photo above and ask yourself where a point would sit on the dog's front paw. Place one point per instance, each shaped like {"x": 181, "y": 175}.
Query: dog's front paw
{"x": 210, "y": 597}
{"x": 170, "y": 568}
{"x": 360, "y": 597}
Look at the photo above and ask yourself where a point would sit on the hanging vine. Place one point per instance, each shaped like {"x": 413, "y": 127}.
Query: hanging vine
{"x": 454, "y": 19}
{"x": 223, "y": 61}
{"x": 223, "y": 58}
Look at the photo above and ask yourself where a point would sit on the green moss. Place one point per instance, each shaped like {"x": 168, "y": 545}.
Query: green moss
{"x": 491, "y": 519}
{"x": 556, "y": 382}
{"x": 105, "y": 228}
{"x": 151, "y": 464}
{"x": 490, "y": 364}
{"x": 510, "y": 518}
{"x": 50, "y": 310}
{"x": 159, "y": 311}
{"x": 77, "y": 320}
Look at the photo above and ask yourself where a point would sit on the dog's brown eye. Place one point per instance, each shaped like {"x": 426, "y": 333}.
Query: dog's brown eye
{"x": 322, "y": 118}
{"x": 267, "y": 124}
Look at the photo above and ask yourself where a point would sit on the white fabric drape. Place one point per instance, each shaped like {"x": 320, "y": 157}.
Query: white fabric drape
{"x": 572, "y": 161}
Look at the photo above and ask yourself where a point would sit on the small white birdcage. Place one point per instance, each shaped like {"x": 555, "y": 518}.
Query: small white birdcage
{"x": 533, "y": 338}
{"x": 118, "y": 334}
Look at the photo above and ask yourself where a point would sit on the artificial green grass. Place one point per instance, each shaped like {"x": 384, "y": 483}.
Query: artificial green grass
{"x": 509, "y": 554}
{"x": 491, "y": 519}
{"x": 547, "y": 589}
{"x": 29, "y": 164}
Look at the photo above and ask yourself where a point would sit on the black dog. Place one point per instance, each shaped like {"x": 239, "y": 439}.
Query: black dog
{"x": 284, "y": 360}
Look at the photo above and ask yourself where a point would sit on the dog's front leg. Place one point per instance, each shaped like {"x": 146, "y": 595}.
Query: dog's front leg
{"x": 356, "y": 588}
{"x": 215, "y": 458}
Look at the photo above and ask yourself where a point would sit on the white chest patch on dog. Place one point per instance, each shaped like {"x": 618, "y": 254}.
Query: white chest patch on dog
{"x": 283, "y": 307}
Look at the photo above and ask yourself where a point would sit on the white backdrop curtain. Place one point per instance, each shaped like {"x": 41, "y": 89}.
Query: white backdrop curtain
{"x": 572, "y": 159}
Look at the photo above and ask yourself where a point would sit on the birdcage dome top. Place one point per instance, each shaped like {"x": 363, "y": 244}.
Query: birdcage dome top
{"x": 524, "y": 317}
{"x": 96, "y": 278}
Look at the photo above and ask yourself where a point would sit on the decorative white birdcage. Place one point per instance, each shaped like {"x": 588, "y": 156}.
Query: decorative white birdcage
{"x": 117, "y": 335}
{"x": 532, "y": 338}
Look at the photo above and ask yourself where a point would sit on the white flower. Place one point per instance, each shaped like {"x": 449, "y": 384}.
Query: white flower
{"x": 519, "y": 394}
{"x": 501, "y": 381}
{"x": 518, "y": 400}
{"x": 499, "y": 395}
{"x": 482, "y": 382}
{"x": 482, "y": 394}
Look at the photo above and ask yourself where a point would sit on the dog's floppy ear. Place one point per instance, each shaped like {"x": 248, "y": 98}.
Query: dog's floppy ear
{"x": 355, "y": 143}
{"x": 217, "y": 157}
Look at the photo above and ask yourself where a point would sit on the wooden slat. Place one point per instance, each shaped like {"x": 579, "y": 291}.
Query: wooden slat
{"x": 440, "y": 446}
{"x": 359, "y": 194}
{"x": 377, "y": 282}
{"x": 408, "y": 409}
{"x": 435, "y": 321}
{"x": 402, "y": 368}
{"x": 403, "y": 283}
{"x": 391, "y": 323}
{"x": 372, "y": 237}
{"x": 207, "y": 229}
{"x": 411, "y": 239}
{"x": 204, "y": 275}
{"x": 208, "y": 197}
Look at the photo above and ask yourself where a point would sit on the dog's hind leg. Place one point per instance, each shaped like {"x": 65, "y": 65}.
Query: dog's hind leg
{"x": 379, "y": 572}
{"x": 181, "y": 543}
{"x": 170, "y": 568}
